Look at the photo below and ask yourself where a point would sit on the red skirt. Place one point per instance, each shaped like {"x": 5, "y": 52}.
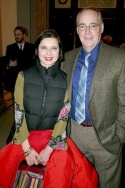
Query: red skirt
{"x": 65, "y": 168}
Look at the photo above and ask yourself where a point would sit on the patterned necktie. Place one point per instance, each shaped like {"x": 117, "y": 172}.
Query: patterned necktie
{"x": 80, "y": 99}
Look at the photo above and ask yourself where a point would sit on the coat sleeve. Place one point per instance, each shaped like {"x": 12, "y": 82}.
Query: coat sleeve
{"x": 58, "y": 138}
{"x": 21, "y": 133}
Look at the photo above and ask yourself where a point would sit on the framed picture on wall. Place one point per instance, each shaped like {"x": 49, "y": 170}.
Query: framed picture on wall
{"x": 62, "y": 3}
{"x": 97, "y": 3}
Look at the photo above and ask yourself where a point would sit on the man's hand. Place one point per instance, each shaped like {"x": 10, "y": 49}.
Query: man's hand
{"x": 13, "y": 63}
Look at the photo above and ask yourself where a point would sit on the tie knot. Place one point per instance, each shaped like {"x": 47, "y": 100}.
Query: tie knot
{"x": 87, "y": 55}
{"x": 86, "y": 59}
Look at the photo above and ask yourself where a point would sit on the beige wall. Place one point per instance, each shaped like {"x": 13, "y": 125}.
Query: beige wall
{"x": 32, "y": 14}
{"x": 8, "y": 19}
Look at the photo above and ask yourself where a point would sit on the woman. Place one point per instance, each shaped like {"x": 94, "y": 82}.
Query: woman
{"x": 41, "y": 113}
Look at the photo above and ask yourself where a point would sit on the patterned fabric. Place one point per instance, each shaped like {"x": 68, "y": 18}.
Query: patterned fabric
{"x": 80, "y": 99}
{"x": 29, "y": 176}
{"x": 19, "y": 116}
{"x": 58, "y": 140}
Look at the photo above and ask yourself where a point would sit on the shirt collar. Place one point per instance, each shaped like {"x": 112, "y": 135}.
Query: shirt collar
{"x": 94, "y": 52}
{"x": 21, "y": 44}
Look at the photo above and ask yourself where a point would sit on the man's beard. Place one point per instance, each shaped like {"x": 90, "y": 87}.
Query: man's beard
{"x": 19, "y": 40}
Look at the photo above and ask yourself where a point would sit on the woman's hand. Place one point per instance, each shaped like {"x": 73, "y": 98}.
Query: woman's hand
{"x": 45, "y": 154}
{"x": 32, "y": 157}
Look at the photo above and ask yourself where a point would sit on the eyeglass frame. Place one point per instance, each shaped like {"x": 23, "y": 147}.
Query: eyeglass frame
{"x": 97, "y": 25}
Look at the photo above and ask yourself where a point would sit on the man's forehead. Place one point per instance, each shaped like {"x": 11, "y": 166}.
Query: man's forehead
{"x": 18, "y": 32}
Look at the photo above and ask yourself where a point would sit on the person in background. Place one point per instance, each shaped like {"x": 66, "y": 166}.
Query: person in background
{"x": 98, "y": 129}
{"x": 20, "y": 56}
{"x": 41, "y": 113}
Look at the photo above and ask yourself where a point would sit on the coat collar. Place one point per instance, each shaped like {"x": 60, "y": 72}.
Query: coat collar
{"x": 51, "y": 71}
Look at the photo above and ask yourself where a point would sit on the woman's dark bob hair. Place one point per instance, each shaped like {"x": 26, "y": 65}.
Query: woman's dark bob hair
{"x": 49, "y": 34}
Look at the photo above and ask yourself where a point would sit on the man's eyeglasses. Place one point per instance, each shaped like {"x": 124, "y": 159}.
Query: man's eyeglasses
{"x": 92, "y": 26}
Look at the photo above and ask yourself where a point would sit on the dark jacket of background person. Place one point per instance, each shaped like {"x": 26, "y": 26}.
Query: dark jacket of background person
{"x": 24, "y": 57}
{"x": 24, "y": 60}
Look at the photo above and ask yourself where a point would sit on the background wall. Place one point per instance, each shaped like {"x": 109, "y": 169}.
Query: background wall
{"x": 8, "y": 20}
{"x": 62, "y": 19}
{"x": 32, "y": 14}
{"x": 25, "y": 16}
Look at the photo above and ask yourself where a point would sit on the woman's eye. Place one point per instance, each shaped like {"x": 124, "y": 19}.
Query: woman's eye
{"x": 54, "y": 48}
{"x": 43, "y": 47}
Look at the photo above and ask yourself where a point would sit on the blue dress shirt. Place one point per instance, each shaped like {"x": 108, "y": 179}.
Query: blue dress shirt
{"x": 76, "y": 75}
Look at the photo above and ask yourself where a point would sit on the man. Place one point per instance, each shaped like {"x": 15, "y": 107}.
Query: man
{"x": 20, "y": 56}
{"x": 101, "y": 133}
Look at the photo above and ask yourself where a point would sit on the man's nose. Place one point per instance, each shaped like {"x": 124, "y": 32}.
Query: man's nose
{"x": 87, "y": 29}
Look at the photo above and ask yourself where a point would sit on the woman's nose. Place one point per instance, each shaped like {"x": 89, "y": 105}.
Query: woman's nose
{"x": 48, "y": 51}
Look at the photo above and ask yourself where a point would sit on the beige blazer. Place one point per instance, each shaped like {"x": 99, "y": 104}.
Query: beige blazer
{"x": 107, "y": 94}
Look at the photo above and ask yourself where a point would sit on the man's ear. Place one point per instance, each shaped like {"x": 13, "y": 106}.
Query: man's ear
{"x": 102, "y": 27}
